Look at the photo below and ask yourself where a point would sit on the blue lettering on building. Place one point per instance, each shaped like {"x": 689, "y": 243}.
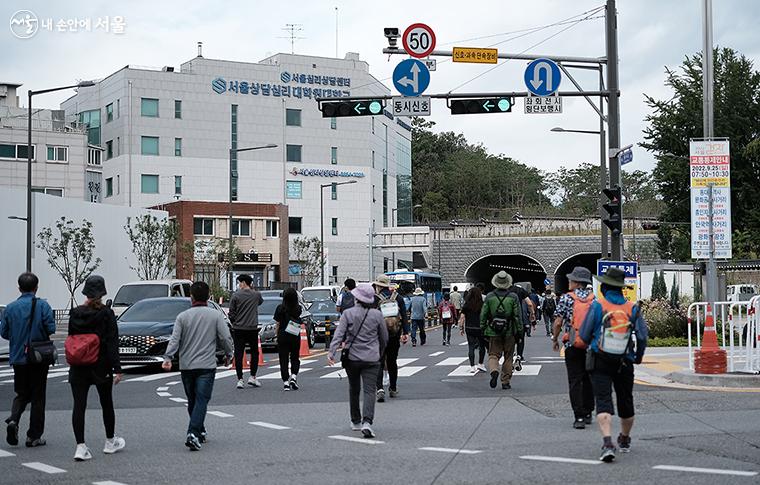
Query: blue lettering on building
{"x": 320, "y": 172}
{"x": 295, "y": 85}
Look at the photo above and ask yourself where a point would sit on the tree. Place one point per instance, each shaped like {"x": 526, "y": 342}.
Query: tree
{"x": 676, "y": 120}
{"x": 674, "y": 293}
{"x": 154, "y": 243}
{"x": 308, "y": 251}
{"x": 698, "y": 288}
{"x": 663, "y": 286}
{"x": 213, "y": 254}
{"x": 70, "y": 252}
{"x": 655, "y": 286}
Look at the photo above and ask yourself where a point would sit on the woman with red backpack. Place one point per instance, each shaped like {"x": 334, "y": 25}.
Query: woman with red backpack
{"x": 92, "y": 352}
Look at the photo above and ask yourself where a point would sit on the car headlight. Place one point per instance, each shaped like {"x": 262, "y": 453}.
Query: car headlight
{"x": 163, "y": 338}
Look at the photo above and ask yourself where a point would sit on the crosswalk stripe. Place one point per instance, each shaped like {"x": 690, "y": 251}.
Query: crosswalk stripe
{"x": 451, "y": 450}
{"x": 715, "y": 471}
{"x": 220, "y": 414}
{"x": 4, "y": 454}
{"x": 178, "y": 399}
{"x": 436, "y": 354}
{"x": 403, "y": 362}
{"x": 462, "y": 370}
{"x": 559, "y": 459}
{"x": 352, "y": 439}
{"x": 463, "y": 343}
{"x": 35, "y": 465}
{"x": 528, "y": 370}
{"x": 164, "y": 394}
{"x": 262, "y": 424}
{"x": 409, "y": 370}
{"x": 108, "y": 482}
{"x": 152, "y": 377}
{"x": 338, "y": 374}
{"x": 223, "y": 374}
{"x": 452, "y": 361}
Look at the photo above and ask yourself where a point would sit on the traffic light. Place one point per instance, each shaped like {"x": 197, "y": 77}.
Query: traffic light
{"x": 365, "y": 107}
{"x": 485, "y": 105}
{"x": 613, "y": 207}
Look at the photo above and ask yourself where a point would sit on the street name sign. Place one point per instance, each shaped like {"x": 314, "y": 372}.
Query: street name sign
{"x": 475, "y": 55}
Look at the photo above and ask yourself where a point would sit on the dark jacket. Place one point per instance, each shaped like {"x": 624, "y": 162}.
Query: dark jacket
{"x": 15, "y": 325}
{"x": 102, "y": 322}
{"x": 282, "y": 317}
{"x": 505, "y": 302}
{"x": 244, "y": 309}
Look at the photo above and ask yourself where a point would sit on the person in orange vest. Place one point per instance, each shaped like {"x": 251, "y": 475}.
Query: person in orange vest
{"x": 616, "y": 333}
{"x": 571, "y": 310}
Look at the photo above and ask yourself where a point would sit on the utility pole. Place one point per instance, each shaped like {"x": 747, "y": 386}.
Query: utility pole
{"x": 613, "y": 123}
{"x": 708, "y": 134}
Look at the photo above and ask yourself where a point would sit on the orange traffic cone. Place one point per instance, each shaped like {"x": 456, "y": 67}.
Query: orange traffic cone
{"x": 246, "y": 361}
{"x": 261, "y": 353}
{"x": 304, "y": 350}
{"x": 710, "y": 359}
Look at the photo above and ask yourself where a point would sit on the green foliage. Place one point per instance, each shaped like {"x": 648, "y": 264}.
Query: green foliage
{"x": 659, "y": 288}
{"x": 154, "y": 244}
{"x": 308, "y": 252}
{"x": 674, "y": 293}
{"x": 663, "y": 319}
{"x": 70, "y": 252}
{"x": 668, "y": 342}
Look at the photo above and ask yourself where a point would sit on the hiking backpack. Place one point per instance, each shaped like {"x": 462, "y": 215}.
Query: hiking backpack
{"x": 581, "y": 307}
{"x": 82, "y": 349}
{"x": 391, "y": 313}
{"x": 617, "y": 328}
{"x": 500, "y": 320}
{"x": 447, "y": 313}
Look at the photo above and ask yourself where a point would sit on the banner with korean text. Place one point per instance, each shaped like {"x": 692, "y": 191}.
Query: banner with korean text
{"x": 710, "y": 164}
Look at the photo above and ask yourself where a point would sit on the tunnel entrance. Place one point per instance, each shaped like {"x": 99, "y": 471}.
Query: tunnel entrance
{"x": 587, "y": 260}
{"x": 521, "y": 268}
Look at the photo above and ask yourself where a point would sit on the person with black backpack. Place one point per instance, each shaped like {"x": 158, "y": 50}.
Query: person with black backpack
{"x": 92, "y": 352}
{"x": 548, "y": 306}
{"x": 501, "y": 321}
{"x": 346, "y": 299}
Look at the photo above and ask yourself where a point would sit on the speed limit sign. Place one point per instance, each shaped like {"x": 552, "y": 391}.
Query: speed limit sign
{"x": 419, "y": 40}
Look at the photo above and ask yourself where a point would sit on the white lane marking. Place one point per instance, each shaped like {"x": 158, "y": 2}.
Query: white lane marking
{"x": 352, "y": 439}
{"x": 559, "y": 459}
{"x": 452, "y": 361}
{"x": 276, "y": 375}
{"x": 162, "y": 389}
{"x": 223, "y": 374}
{"x": 220, "y": 414}
{"x": 403, "y": 362}
{"x": 53, "y": 375}
{"x": 152, "y": 377}
{"x": 714, "y": 471}
{"x": 178, "y": 399}
{"x": 35, "y": 465}
{"x": 463, "y": 343}
{"x": 338, "y": 374}
{"x": 6, "y": 382}
{"x": 451, "y": 450}
{"x": 172, "y": 383}
{"x": 164, "y": 394}
{"x": 4, "y": 453}
{"x": 462, "y": 370}
{"x": 410, "y": 370}
{"x": 276, "y": 427}
{"x": 436, "y": 354}
{"x": 528, "y": 370}
{"x": 108, "y": 482}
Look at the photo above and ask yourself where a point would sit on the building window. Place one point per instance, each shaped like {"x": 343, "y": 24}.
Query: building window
{"x": 293, "y": 153}
{"x": 109, "y": 149}
{"x": 118, "y": 108}
{"x": 109, "y": 113}
{"x": 178, "y": 147}
{"x": 149, "y": 107}
{"x": 373, "y": 158}
{"x": 178, "y": 109}
{"x": 334, "y": 226}
{"x": 149, "y": 145}
{"x": 294, "y": 189}
{"x": 149, "y": 184}
{"x": 91, "y": 121}
{"x": 118, "y": 184}
{"x": 294, "y": 225}
{"x": 118, "y": 146}
{"x": 94, "y": 156}
{"x": 57, "y": 154}
{"x": 241, "y": 227}
{"x": 178, "y": 185}
{"x": 15, "y": 152}
{"x": 334, "y": 155}
{"x": 334, "y": 274}
{"x": 373, "y": 194}
{"x": 109, "y": 187}
{"x": 333, "y": 123}
{"x": 293, "y": 117}
{"x": 272, "y": 227}
{"x": 334, "y": 191}
{"x": 56, "y": 191}
{"x": 203, "y": 227}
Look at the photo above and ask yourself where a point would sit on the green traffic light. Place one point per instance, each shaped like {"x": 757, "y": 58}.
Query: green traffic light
{"x": 375, "y": 107}
{"x": 504, "y": 104}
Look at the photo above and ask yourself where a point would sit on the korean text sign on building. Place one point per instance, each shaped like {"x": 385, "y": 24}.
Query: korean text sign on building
{"x": 710, "y": 163}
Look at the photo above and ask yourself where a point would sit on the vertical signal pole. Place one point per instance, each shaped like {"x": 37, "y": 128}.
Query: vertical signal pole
{"x": 613, "y": 86}
{"x": 708, "y": 133}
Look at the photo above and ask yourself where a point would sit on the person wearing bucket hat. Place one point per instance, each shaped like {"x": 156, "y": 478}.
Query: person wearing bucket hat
{"x": 571, "y": 310}
{"x": 616, "y": 333}
{"x": 418, "y": 308}
{"x": 501, "y": 322}
{"x": 398, "y": 333}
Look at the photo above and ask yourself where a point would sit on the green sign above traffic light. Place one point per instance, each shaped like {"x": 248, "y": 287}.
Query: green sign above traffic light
{"x": 365, "y": 107}
{"x": 483, "y": 105}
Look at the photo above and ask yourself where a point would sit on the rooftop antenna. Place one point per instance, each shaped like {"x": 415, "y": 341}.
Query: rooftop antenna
{"x": 293, "y": 30}
{"x": 336, "y": 32}
{"x": 200, "y": 49}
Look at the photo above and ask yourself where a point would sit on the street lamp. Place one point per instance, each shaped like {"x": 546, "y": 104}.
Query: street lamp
{"x": 82, "y": 84}
{"x": 322, "y": 187}
{"x": 234, "y": 151}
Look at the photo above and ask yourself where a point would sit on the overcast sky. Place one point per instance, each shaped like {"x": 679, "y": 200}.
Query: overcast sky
{"x": 652, "y": 34}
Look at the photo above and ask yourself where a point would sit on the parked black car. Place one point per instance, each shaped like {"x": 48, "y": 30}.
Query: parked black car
{"x": 146, "y": 327}
{"x": 323, "y": 311}
{"x": 267, "y": 325}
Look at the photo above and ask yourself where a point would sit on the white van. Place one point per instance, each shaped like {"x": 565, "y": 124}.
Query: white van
{"x": 139, "y": 290}
{"x": 741, "y": 292}
{"x": 314, "y": 293}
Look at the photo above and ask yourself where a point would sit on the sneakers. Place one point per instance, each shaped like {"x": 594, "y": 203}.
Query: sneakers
{"x": 12, "y": 433}
{"x": 252, "y": 381}
{"x": 506, "y": 386}
{"x": 624, "y": 443}
{"x": 202, "y": 437}
{"x": 193, "y": 442}
{"x": 285, "y": 386}
{"x": 608, "y": 454}
{"x": 380, "y": 395}
{"x": 240, "y": 384}
{"x": 293, "y": 383}
{"x": 518, "y": 364}
{"x": 494, "y": 378}
{"x": 82, "y": 453}
{"x": 473, "y": 370}
{"x": 356, "y": 426}
{"x": 393, "y": 393}
{"x": 414, "y": 344}
{"x": 113, "y": 445}
{"x": 444, "y": 343}
{"x": 579, "y": 423}
{"x": 480, "y": 368}
{"x": 33, "y": 443}
{"x": 588, "y": 419}
{"x": 367, "y": 431}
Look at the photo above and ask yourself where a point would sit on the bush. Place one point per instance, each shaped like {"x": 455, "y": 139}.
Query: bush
{"x": 664, "y": 320}
{"x": 668, "y": 342}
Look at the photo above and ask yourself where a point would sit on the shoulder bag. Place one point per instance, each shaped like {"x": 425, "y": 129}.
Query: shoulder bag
{"x": 42, "y": 351}
{"x": 347, "y": 347}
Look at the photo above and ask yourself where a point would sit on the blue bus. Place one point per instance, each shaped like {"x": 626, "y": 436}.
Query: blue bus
{"x": 407, "y": 281}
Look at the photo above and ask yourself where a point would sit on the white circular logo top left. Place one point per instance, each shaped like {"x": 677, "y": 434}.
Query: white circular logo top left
{"x": 24, "y": 24}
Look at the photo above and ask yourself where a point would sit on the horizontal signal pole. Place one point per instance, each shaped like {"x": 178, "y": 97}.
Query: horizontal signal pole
{"x": 507, "y": 55}
{"x": 513, "y": 94}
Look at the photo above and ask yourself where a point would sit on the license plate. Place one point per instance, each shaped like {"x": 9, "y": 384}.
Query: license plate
{"x": 127, "y": 350}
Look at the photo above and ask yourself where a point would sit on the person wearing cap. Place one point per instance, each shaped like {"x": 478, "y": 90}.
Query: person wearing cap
{"x": 93, "y": 317}
{"x": 501, "y": 322}
{"x": 361, "y": 330}
{"x": 573, "y": 306}
{"x": 418, "y": 308}
{"x": 384, "y": 294}
{"x": 611, "y": 369}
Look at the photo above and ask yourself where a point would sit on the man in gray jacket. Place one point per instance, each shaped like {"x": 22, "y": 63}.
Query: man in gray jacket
{"x": 244, "y": 316}
{"x": 195, "y": 335}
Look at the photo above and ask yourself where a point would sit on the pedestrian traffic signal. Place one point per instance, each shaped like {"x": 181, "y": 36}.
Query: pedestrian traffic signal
{"x": 614, "y": 219}
{"x": 486, "y": 105}
{"x": 365, "y": 107}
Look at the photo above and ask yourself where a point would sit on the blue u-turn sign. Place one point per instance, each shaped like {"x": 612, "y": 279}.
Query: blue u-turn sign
{"x": 542, "y": 77}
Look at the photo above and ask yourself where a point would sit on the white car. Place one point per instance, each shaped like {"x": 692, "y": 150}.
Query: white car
{"x": 741, "y": 292}
{"x": 140, "y": 290}
{"x": 314, "y": 293}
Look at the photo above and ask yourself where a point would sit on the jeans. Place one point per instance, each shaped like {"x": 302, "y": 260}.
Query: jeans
{"x": 198, "y": 383}
{"x": 105, "y": 392}
{"x": 362, "y": 374}
{"x": 548, "y": 324}
{"x": 498, "y": 346}
{"x": 288, "y": 347}
{"x": 418, "y": 324}
{"x": 241, "y": 338}
{"x": 475, "y": 339}
{"x": 390, "y": 358}
{"x": 447, "y": 332}
{"x": 579, "y": 382}
{"x": 30, "y": 385}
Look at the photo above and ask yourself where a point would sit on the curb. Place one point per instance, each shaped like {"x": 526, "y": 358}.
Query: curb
{"x": 745, "y": 381}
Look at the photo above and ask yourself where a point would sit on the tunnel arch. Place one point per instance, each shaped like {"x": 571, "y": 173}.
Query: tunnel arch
{"x": 585, "y": 259}
{"x": 521, "y": 267}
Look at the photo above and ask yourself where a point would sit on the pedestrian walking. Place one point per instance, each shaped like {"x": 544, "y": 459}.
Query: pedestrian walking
{"x": 394, "y": 312}
{"x": 501, "y": 321}
{"x": 244, "y": 317}
{"x": 457, "y": 300}
{"x": 346, "y": 298}
{"x": 527, "y": 315}
{"x": 617, "y": 334}
{"x": 363, "y": 335}
{"x": 195, "y": 335}
{"x": 26, "y": 321}
{"x": 288, "y": 331}
{"x": 447, "y": 315}
{"x": 569, "y": 315}
{"x": 469, "y": 324}
{"x": 92, "y": 352}
{"x": 418, "y": 309}
{"x": 535, "y": 300}
{"x": 548, "y": 307}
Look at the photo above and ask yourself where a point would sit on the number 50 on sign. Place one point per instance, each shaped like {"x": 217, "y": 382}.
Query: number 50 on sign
{"x": 418, "y": 40}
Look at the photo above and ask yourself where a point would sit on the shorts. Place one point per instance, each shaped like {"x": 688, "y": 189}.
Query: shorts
{"x": 608, "y": 375}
